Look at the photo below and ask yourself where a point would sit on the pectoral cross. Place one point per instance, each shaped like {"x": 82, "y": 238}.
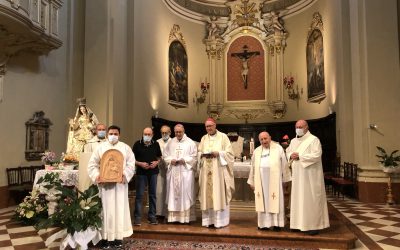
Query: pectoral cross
{"x": 178, "y": 152}
{"x": 244, "y": 57}
{"x": 273, "y": 196}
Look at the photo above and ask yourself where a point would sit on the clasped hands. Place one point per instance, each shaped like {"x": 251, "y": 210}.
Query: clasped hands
{"x": 294, "y": 156}
{"x": 177, "y": 162}
{"x": 146, "y": 165}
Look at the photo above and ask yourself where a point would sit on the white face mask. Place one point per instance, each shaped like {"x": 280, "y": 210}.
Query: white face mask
{"x": 147, "y": 138}
{"x": 165, "y": 137}
{"x": 113, "y": 139}
{"x": 299, "y": 131}
{"x": 101, "y": 134}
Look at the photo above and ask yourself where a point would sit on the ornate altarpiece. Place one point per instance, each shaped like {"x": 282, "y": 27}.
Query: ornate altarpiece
{"x": 246, "y": 20}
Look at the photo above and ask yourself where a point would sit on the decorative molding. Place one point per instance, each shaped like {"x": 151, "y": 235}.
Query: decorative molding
{"x": 176, "y": 34}
{"x": 246, "y": 114}
{"x": 316, "y": 23}
{"x": 278, "y": 109}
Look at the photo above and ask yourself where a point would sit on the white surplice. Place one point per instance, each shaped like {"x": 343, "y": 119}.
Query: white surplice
{"x": 269, "y": 169}
{"x": 161, "y": 208}
{"x": 180, "y": 196}
{"x": 216, "y": 179}
{"x": 114, "y": 196}
{"x": 88, "y": 149}
{"x": 308, "y": 209}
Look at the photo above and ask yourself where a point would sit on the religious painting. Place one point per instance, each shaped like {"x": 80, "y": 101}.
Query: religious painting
{"x": 245, "y": 70}
{"x": 178, "y": 75}
{"x": 37, "y": 136}
{"x": 111, "y": 166}
{"x": 315, "y": 62}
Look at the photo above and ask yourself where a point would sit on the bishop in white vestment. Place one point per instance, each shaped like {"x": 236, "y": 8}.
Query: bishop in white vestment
{"x": 114, "y": 196}
{"x": 161, "y": 208}
{"x": 180, "y": 155}
{"x": 216, "y": 176}
{"x": 268, "y": 170}
{"x": 309, "y": 209}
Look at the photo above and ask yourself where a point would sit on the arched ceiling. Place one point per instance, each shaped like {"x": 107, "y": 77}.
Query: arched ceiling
{"x": 200, "y": 10}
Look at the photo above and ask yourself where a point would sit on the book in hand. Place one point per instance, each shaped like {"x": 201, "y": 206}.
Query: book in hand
{"x": 207, "y": 155}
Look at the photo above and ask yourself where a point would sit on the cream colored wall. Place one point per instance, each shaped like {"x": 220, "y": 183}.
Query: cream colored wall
{"x": 34, "y": 83}
{"x": 377, "y": 81}
{"x": 150, "y": 56}
{"x": 295, "y": 62}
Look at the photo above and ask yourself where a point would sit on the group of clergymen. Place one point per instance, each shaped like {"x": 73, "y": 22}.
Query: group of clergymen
{"x": 168, "y": 167}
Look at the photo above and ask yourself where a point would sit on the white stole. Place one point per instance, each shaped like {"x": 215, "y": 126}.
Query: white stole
{"x": 274, "y": 180}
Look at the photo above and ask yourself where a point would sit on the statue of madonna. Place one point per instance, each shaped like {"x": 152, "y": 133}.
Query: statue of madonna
{"x": 81, "y": 128}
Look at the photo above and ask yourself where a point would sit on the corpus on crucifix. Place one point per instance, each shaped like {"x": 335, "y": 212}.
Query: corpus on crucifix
{"x": 244, "y": 57}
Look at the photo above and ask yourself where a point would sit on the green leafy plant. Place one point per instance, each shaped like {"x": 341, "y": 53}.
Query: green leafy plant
{"x": 386, "y": 160}
{"x": 76, "y": 211}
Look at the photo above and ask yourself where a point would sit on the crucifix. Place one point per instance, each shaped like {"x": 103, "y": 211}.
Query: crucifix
{"x": 244, "y": 57}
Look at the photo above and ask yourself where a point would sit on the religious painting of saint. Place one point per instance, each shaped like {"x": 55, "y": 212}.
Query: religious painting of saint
{"x": 315, "y": 67}
{"x": 178, "y": 75}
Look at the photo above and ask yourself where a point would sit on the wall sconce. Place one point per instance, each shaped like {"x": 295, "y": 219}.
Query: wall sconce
{"x": 293, "y": 93}
{"x": 200, "y": 99}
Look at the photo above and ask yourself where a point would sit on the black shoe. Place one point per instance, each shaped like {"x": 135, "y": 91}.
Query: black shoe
{"x": 137, "y": 222}
{"x": 106, "y": 245}
{"x": 312, "y": 232}
{"x": 276, "y": 229}
{"x": 153, "y": 221}
{"x": 117, "y": 243}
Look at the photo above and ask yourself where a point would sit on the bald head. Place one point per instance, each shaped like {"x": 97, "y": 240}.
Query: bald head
{"x": 179, "y": 131}
{"x": 265, "y": 139}
{"x": 301, "y": 128}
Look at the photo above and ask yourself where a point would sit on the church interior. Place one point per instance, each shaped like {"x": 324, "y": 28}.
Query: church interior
{"x": 252, "y": 65}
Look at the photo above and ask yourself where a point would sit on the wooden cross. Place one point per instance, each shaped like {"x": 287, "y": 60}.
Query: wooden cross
{"x": 273, "y": 196}
{"x": 244, "y": 57}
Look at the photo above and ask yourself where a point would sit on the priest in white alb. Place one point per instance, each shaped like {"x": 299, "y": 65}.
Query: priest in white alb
{"x": 180, "y": 155}
{"x": 268, "y": 172}
{"x": 161, "y": 208}
{"x": 114, "y": 196}
{"x": 308, "y": 209}
{"x": 216, "y": 176}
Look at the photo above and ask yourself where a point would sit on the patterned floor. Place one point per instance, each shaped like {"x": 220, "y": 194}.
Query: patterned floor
{"x": 376, "y": 225}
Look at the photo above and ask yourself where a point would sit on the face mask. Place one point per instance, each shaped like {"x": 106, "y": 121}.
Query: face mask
{"x": 299, "y": 132}
{"x": 165, "y": 137}
{"x": 101, "y": 134}
{"x": 113, "y": 139}
{"x": 147, "y": 138}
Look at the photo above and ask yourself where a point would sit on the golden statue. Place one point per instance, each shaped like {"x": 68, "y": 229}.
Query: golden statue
{"x": 81, "y": 128}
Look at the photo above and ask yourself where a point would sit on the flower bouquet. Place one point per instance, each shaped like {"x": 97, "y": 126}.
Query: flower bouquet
{"x": 68, "y": 161}
{"x": 49, "y": 160}
{"x": 32, "y": 209}
{"x": 79, "y": 214}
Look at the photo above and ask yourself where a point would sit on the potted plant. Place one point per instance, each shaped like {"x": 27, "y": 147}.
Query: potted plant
{"x": 390, "y": 163}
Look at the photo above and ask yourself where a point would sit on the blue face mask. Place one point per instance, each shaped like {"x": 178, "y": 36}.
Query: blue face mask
{"x": 101, "y": 134}
{"x": 147, "y": 138}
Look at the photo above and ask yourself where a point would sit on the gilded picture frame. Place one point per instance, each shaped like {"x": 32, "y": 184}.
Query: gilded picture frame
{"x": 178, "y": 87}
{"x": 315, "y": 61}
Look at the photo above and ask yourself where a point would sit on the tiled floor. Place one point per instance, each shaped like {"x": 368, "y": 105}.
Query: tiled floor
{"x": 379, "y": 222}
{"x": 376, "y": 225}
